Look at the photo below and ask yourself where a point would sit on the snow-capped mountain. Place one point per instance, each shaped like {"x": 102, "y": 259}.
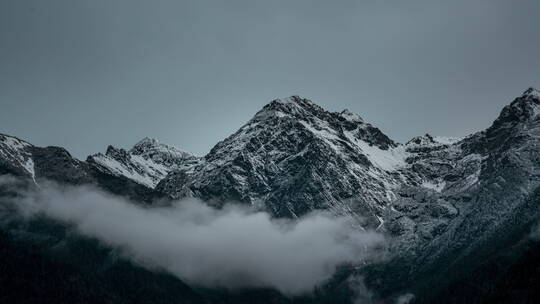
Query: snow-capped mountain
{"x": 441, "y": 199}
{"x": 16, "y": 156}
{"x": 481, "y": 210}
{"x": 146, "y": 163}
{"x": 449, "y": 206}
{"x": 293, "y": 157}
{"x": 41, "y": 164}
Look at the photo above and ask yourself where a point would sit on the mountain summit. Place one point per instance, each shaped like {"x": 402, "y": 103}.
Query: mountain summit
{"x": 146, "y": 163}
{"x": 293, "y": 157}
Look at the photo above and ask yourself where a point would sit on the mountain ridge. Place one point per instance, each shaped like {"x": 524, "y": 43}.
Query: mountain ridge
{"x": 445, "y": 204}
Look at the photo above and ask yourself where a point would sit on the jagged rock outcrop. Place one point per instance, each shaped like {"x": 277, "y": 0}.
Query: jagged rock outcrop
{"x": 146, "y": 163}
{"x": 16, "y": 157}
{"x": 294, "y": 157}
{"x": 488, "y": 204}
{"x": 35, "y": 165}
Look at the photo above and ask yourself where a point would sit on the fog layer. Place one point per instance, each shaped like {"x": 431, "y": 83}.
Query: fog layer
{"x": 231, "y": 248}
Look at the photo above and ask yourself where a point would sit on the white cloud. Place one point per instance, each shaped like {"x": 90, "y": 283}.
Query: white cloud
{"x": 232, "y": 248}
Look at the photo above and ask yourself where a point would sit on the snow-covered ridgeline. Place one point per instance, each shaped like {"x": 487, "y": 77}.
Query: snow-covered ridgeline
{"x": 146, "y": 163}
{"x": 17, "y": 151}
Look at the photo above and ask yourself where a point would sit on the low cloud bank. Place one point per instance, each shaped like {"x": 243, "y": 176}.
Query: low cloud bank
{"x": 231, "y": 248}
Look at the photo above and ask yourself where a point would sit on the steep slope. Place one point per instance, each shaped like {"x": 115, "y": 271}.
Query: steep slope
{"x": 449, "y": 203}
{"x": 146, "y": 163}
{"x": 16, "y": 157}
{"x": 20, "y": 158}
{"x": 294, "y": 157}
{"x": 489, "y": 203}
{"x": 35, "y": 165}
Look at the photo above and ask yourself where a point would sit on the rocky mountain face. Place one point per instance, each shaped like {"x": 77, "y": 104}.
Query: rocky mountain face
{"x": 448, "y": 206}
{"x": 40, "y": 164}
{"x": 146, "y": 163}
{"x": 294, "y": 157}
{"x": 484, "y": 211}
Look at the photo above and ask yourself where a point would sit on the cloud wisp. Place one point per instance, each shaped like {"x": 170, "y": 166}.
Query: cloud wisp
{"x": 234, "y": 247}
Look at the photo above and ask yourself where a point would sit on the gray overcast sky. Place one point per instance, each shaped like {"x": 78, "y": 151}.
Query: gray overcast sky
{"x": 84, "y": 74}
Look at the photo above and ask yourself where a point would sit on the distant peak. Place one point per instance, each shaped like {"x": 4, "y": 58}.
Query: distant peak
{"x": 146, "y": 142}
{"x": 348, "y": 115}
{"x": 422, "y": 140}
{"x": 427, "y": 140}
{"x": 12, "y": 139}
{"x": 291, "y": 99}
{"x": 151, "y": 145}
{"x": 116, "y": 152}
{"x": 522, "y": 109}
{"x": 294, "y": 101}
{"x": 294, "y": 106}
{"x": 531, "y": 93}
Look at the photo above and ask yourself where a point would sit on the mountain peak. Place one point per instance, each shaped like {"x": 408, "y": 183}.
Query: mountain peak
{"x": 425, "y": 139}
{"x": 295, "y": 106}
{"x": 146, "y": 163}
{"x": 293, "y": 157}
{"x": 515, "y": 120}
{"x": 147, "y": 141}
{"x": 531, "y": 93}
{"x": 16, "y": 151}
{"x": 350, "y": 116}
{"x": 306, "y": 114}
{"x": 522, "y": 109}
{"x": 116, "y": 152}
{"x": 293, "y": 99}
{"x": 150, "y": 146}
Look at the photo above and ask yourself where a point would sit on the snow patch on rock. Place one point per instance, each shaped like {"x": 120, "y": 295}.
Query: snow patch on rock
{"x": 146, "y": 163}
{"x": 18, "y": 151}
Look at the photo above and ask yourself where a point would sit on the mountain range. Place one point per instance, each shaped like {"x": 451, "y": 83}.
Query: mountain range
{"x": 460, "y": 213}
